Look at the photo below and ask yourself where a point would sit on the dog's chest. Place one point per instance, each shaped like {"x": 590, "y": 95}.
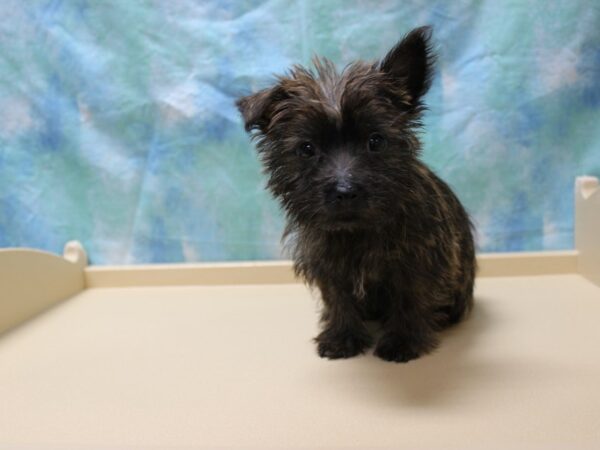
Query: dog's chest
{"x": 357, "y": 262}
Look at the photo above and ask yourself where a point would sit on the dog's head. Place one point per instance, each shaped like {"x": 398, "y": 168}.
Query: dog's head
{"x": 339, "y": 148}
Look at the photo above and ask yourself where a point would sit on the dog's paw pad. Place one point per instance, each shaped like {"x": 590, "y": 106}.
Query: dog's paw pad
{"x": 344, "y": 345}
{"x": 396, "y": 349}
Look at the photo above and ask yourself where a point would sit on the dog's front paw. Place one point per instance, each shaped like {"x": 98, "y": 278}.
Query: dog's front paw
{"x": 342, "y": 344}
{"x": 396, "y": 348}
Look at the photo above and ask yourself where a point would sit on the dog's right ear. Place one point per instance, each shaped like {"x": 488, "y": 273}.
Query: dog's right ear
{"x": 411, "y": 63}
{"x": 258, "y": 109}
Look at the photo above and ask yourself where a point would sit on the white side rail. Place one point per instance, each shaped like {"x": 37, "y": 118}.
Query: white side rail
{"x": 32, "y": 281}
{"x": 587, "y": 227}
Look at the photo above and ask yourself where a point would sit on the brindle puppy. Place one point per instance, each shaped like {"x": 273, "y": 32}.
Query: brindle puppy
{"x": 376, "y": 230}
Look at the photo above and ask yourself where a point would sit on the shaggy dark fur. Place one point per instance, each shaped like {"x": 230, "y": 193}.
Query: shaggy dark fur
{"x": 377, "y": 231}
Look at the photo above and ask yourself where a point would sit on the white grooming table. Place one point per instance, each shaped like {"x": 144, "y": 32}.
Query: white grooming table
{"x": 220, "y": 356}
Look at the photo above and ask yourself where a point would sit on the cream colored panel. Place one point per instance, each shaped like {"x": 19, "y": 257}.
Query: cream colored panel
{"x": 587, "y": 227}
{"x": 32, "y": 281}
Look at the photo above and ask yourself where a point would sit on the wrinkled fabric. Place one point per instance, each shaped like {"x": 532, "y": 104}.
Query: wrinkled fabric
{"x": 118, "y": 127}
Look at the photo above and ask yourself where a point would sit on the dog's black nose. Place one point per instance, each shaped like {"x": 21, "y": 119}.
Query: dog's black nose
{"x": 343, "y": 193}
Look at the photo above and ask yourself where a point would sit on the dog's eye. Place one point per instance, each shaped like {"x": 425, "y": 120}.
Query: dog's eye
{"x": 306, "y": 150}
{"x": 376, "y": 142}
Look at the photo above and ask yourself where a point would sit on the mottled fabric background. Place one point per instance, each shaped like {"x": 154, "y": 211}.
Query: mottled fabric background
{"x": 117, "y": 123}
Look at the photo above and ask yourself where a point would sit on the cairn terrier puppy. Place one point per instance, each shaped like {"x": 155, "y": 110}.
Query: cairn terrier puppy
{"x": 381, "y": 236}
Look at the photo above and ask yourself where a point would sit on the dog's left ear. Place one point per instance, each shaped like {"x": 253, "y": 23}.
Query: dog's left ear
{"x": 410, "y": 62}
{"x": 257, "y": 109}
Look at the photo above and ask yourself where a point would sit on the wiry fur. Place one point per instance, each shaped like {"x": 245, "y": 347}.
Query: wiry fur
{"x": 404, "y": 254}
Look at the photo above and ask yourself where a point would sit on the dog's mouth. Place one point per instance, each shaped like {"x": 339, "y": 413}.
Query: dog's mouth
{"x": 346, "y": 216}
{"x": 344, "y": 220}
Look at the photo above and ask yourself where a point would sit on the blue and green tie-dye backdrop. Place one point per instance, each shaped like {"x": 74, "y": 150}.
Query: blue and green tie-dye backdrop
{"x": 117, "y": 124}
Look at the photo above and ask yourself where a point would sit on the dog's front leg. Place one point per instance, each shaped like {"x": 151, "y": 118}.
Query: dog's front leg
{"x": 410, "y": 330}
{"x": 344, "y": 333}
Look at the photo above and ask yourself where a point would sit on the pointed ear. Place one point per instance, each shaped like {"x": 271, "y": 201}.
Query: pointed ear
{"x": 258, "y": 109}
{"x": 411, "y": 63}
